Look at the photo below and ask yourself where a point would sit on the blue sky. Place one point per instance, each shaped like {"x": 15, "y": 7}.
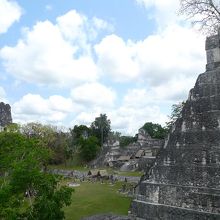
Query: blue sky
{"x": 65, "y": 62}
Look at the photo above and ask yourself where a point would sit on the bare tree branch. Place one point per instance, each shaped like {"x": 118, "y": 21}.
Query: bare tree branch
{"x": 203, "y": 13}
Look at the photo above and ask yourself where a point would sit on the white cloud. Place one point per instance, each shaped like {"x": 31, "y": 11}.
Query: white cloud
{"x": 33, "y": 107}
{"x": 173, "y": 92}
{"x": 142, "y": 105}
{"x": 71, "y": 26}
{"x": 78, "y": 27}
{"x": 59, "y": 103}
{"x": 55, "y": 54}
{"x": 93, "y": 99}
{"x": 10, "y": 12}
{"x": 128, "y": 119}
{"x": 44, "y": 57}
{"x": 94, "y": 95}
{"x": 138, "y": 106}
{"x": 85, "y": 118}
{"x": 117, "y": 58}
{"x": 176, "y": 51}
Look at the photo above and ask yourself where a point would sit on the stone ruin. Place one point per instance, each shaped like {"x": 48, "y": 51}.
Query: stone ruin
{"x": 139, "y": 155}
{"x": 5, "y": 115}
{"x": 184, "y": 182}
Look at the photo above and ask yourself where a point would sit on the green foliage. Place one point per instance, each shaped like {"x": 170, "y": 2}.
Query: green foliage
{"x": 35, "y": 129}
{"x": 101, "y": 128}
{"x": 51, "y": 199}
{"x": 13, "y": 127}
{"x": 87, "y": 140}
{"x": 126, "y": 140}
{"x": 60, "y": 147}
{"x": 52, "y": 138}
{"x": 26, "y": 192}
{"x": 114, "y": 136}
{"x": 155, "y": 130}
{"x": 175, "y": 114}
{"x": 77, "y": 132}
{"x": 80, "y": 131}
{"x": 89, "y": 148}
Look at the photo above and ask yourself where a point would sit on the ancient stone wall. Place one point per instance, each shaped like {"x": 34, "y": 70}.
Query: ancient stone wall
{"x": 212, "y": 52}
{"x": 5, "y": 114}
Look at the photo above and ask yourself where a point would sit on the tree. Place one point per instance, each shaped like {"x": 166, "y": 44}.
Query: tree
{"x": 101, "y": 128}
{"x": 175, "y": 114}
{"x": 45, "y": 133}
{"x": 60, "y": 147}
{"x": 205, "y": 13}
{"x": 114, "y": 136}
{"x": 155, "y": 130}
{"x": 13, "y": 127}
{"x": 126, "y": 140}
{"x": 51, "y": 137}
{"x": 89, "y": 148}
{"x": 26, "y": 192}
{"x": 79, "y": 131}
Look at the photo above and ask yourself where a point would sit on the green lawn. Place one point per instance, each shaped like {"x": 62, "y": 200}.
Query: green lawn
{"x": 130, "y": 173}
{"x": 96, "y": 198}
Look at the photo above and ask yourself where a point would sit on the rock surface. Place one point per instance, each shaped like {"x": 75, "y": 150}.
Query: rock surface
{"x": 5, "y": 114}
{"x": 184, "y": 182}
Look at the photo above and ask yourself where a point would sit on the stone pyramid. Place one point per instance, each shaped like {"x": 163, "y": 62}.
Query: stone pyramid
{"x": 184, "y": 183}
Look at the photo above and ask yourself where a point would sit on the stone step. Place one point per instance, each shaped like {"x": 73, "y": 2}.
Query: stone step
{"x": 190, "y": 156}
{"x": 198, "y": 137}
{"x": 207, "y": 122}
{"x": 201, "y": 176}
{"x": 202, "y": 105}
{"x": 204, "y": 190}
{"x": 207, "y": 90}
{"x": 196, "y": 198}
{"x": 153, "y": 211}
{"x": 210, "y": 77}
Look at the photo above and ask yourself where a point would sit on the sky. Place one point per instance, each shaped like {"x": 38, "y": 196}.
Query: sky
{"x": 65, "y": 62}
